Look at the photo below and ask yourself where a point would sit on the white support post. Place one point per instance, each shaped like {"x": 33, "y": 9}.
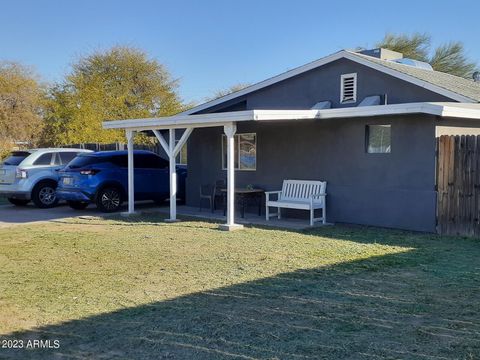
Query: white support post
{"x": 131, "y": 185}
{"x": 173, "y": 176}
{"x": 230, "y": 130}
{"x": 172, "y": 151}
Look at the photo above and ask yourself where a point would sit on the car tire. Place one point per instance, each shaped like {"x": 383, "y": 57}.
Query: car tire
{"x": 44, "y": 194}
{"x": 18, "y": 202}
{"x": 77, "y": 205}
{"x": 109, "y": 199}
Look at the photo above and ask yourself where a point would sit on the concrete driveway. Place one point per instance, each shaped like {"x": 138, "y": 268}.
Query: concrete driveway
{"x": 11, "y": 215}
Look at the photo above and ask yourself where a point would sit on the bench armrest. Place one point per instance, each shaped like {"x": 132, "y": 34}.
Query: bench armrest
{"x": 317, "y": 196}
{"x": 268, "y": 193}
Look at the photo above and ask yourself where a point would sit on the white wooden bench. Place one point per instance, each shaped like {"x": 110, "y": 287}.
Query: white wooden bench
{"x": 299, "y": 194}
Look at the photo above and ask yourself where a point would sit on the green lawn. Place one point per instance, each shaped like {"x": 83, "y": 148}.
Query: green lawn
{"x": 140, "y": 288}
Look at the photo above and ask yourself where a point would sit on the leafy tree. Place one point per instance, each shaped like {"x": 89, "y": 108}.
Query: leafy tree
{"x": 227, "y": 91}
{"x": 120, "y": 83}
{"x": 449, "y": 58}
{"x": 20, "y": 105}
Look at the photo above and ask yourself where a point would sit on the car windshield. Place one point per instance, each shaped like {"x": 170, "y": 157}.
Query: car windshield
{"x": 16, "y": 157}
{"x": 83, "y": 160}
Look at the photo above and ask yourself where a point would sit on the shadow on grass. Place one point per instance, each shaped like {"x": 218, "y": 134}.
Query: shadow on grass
{"x": 406, "y": 305}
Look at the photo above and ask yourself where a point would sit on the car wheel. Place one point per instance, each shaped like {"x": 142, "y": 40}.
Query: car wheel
{"x": 18, "y": 202}
{"x": 109, "y": 199}
{"x": 77, "y": 205}
{"x": 44, "y": 194}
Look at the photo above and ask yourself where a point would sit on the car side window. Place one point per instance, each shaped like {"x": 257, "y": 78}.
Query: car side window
{"x": 119, "y": 160}
{"x": 149, "y": 161}
{"x": 66, "y": 157}
{"x": 45, "y": 159}
{"x": 140, "y": 161}
{"x": 161, "y": 163}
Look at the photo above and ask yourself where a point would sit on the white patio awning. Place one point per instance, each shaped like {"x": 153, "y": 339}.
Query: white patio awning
{"x": 443, "y": 109}
{"x": 228, "y": 121}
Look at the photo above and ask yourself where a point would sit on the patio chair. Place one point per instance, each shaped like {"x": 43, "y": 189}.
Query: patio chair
{"x": 218, "y": 194}
{"x": 207, "y": 193}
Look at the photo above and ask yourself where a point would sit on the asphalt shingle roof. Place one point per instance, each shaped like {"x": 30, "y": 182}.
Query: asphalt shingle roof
{"x": 461, "y": 86}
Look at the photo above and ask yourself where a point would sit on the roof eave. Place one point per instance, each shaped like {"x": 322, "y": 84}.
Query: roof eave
{"x": 220, "y": 119}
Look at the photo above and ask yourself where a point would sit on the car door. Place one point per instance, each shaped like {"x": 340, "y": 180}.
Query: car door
{"x": 161, "y": 187}
{"x": 151, "y": 176}
{"x": 143, "y": 181}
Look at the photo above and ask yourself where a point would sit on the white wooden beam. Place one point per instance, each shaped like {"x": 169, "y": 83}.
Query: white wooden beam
{"x": 131, "y": 178}
{"x": 182, "y": 141}
{"x": 162, "y": 141}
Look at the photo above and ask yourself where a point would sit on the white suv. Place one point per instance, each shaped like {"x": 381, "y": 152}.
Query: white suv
{"x": 33, "y": 175}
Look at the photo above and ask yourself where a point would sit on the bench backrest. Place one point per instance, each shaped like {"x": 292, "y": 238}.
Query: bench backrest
{"x": 302, "y": 189}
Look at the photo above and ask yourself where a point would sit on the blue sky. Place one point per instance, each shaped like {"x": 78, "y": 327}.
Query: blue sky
{"x": 210, "y": 45}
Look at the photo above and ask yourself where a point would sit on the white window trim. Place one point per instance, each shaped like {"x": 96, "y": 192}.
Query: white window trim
{"x": 354, "y": 75}
{"x": 224, "y": 166}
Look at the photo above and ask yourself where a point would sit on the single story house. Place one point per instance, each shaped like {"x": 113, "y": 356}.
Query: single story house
{"x": 366, "y": 122}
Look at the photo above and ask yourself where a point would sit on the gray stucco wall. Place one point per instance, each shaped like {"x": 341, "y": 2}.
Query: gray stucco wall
{"x": 392, "y": 190}
{"x": 305, "y": 90}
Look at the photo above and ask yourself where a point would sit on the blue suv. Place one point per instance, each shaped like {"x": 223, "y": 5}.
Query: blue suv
{"x": 102, "y": 178}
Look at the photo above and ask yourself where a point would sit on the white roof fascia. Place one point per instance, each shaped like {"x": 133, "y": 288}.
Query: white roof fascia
{"x": 220, "y": 119}
{"x": 181, "y": 121}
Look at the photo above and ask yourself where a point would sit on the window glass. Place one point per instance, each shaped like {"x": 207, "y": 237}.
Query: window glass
{"x": 44, "y": 159}
{"x": 378, "y": 138}
{"x": 245, "y": 151}
{"x": 66, "y": 157}
{"x": 85, "y": 160}
{"x": 149, "y": 161}
{"x": 155, "y": 162}
{"x": 16, "y": 157}
{"x": 140, "y": 161}
{"x": 119, "y": 160}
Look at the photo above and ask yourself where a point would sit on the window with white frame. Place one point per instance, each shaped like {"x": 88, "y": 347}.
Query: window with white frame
{"x": 182, "y": 155}
{"x": 245, "y": 151}
{"x": 348, "y": 88}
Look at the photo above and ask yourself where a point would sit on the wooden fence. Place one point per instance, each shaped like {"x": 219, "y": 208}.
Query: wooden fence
{"x": 458, "y": 184}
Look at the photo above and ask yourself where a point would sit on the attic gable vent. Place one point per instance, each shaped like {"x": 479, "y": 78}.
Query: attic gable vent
{"x": 348, "y": 88}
